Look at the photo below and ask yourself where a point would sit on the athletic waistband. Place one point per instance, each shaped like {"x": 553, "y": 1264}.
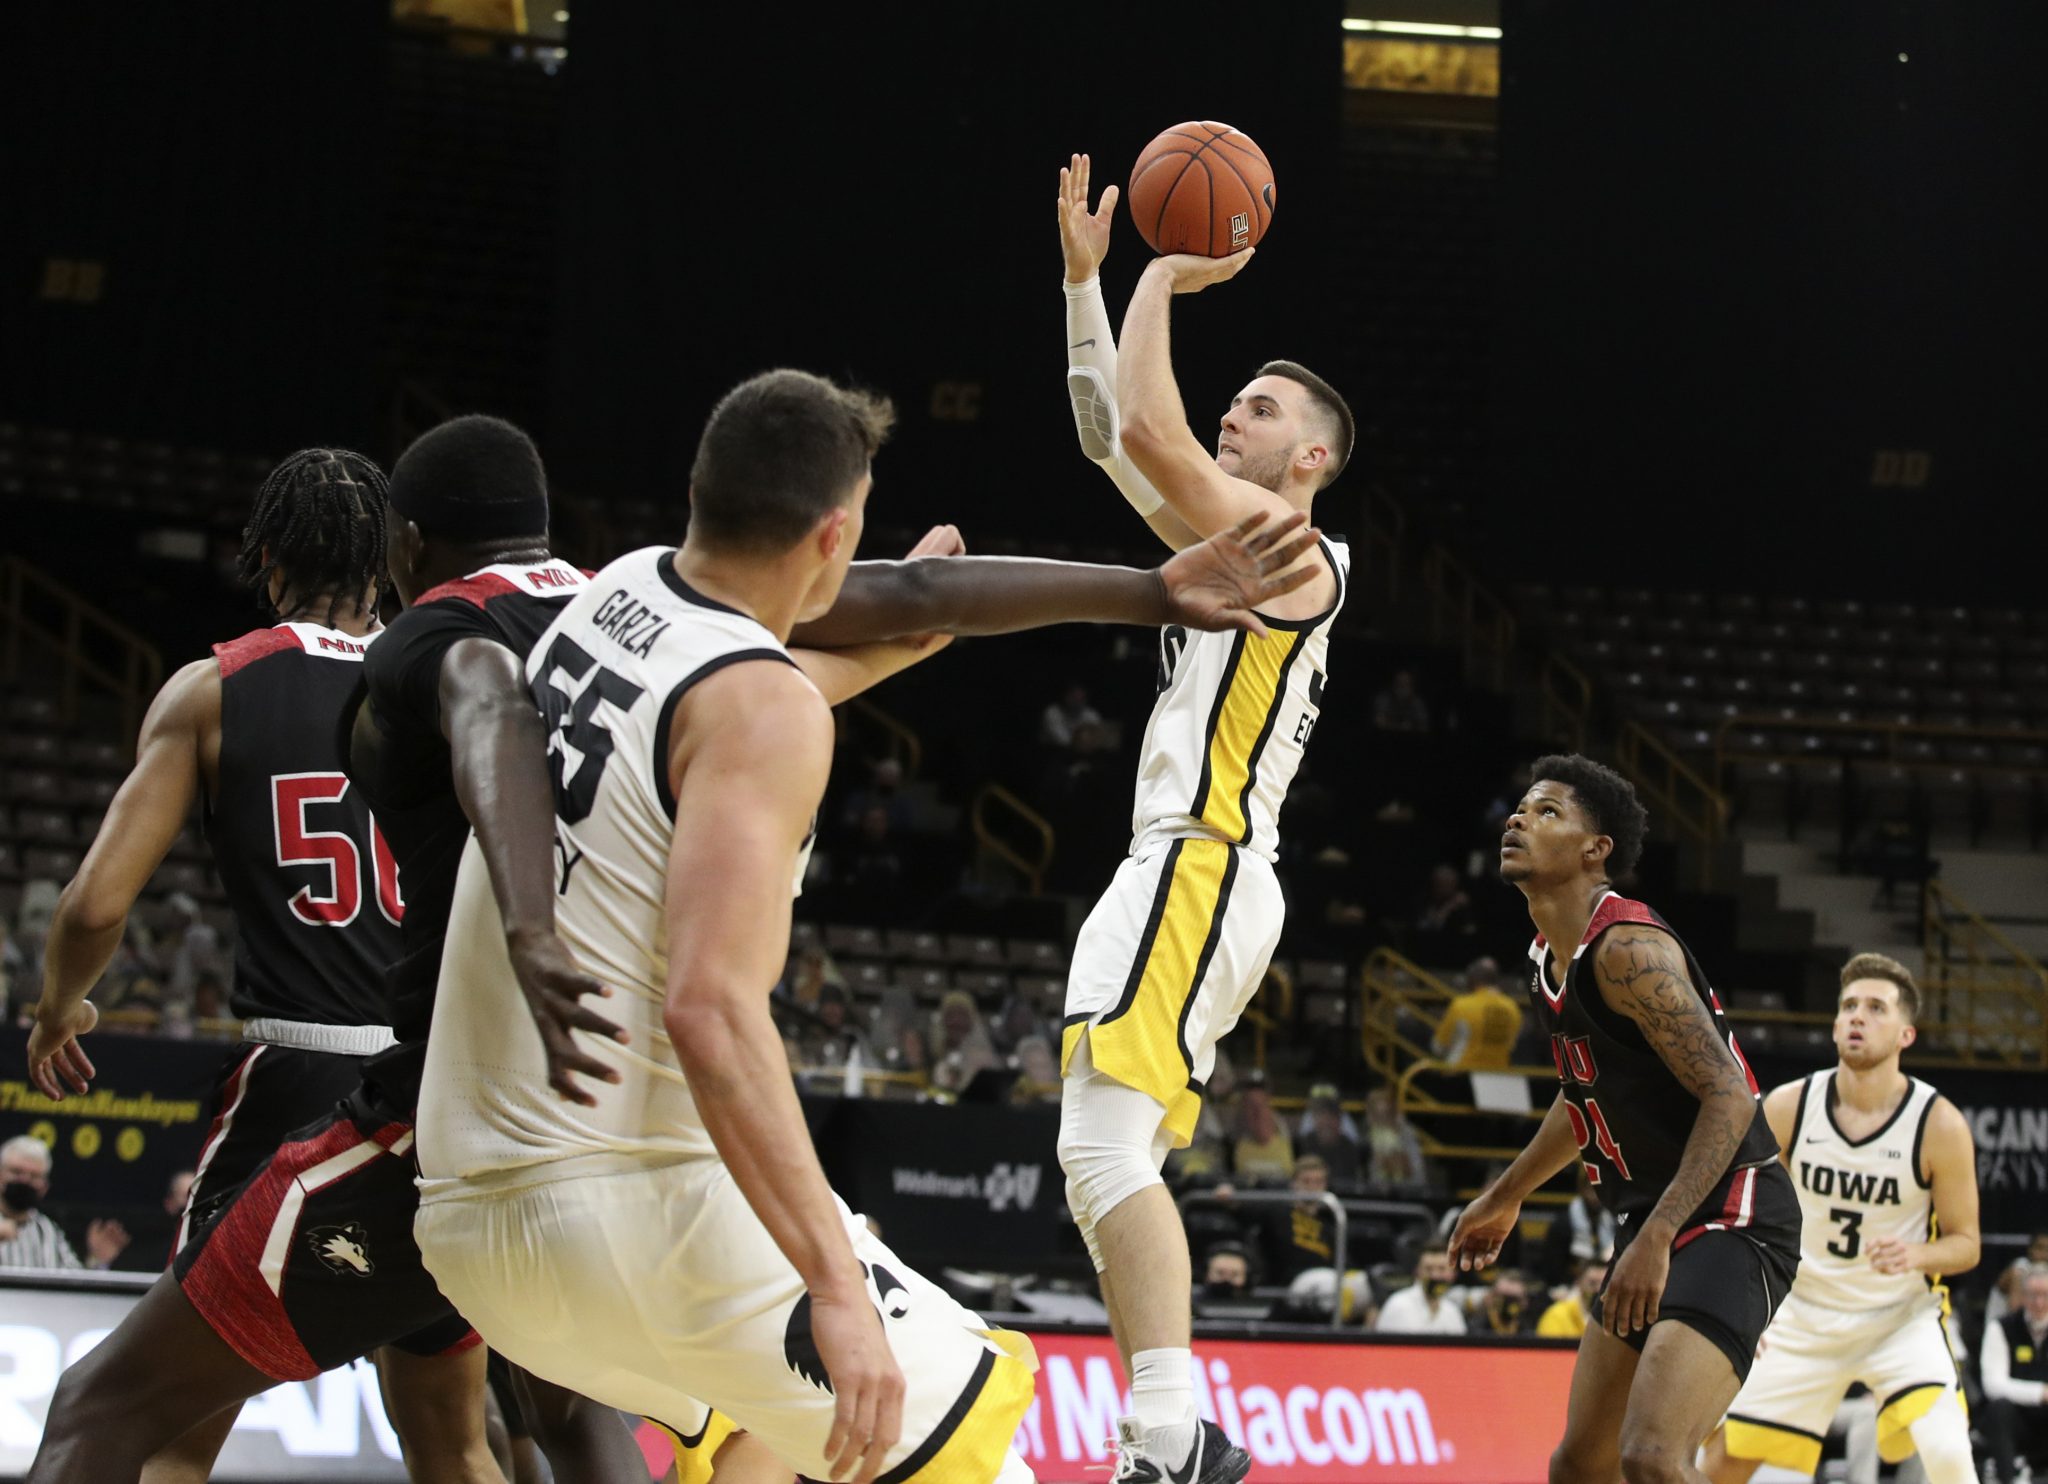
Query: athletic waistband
{"x": 302, "y": 1035}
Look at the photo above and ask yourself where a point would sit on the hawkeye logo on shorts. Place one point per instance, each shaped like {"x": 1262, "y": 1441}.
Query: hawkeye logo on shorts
{"x": 800, "y": 1350}
{"x": 343, "y": 1249}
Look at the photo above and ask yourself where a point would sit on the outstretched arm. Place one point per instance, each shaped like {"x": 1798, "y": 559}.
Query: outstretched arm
{"x": 1155, "y": 433}
{"x": 498, "y": 745}
{"x": 1214, "y": 585}
{"x": 1642, "y": 975}
{"x": 1091, "y": 352}
{"x": 180, "y": 739}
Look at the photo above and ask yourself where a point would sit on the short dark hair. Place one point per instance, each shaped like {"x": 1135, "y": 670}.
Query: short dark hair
{"x": 1609, "y": 800}
{"x": 320, "y": 516}
{"x": 473, "y": 478}
{"x": 779, "y": 451}
{"x": 1880, "y": 966}
{"x": 1323, "y": 396}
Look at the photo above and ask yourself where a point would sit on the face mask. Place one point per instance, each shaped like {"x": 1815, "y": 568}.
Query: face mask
{"x": 1510, "y": 1312}
{"x": 1217, "y": 1288}
{"x": 19, "y": 1195}
{"x": 1436, "y": 1288}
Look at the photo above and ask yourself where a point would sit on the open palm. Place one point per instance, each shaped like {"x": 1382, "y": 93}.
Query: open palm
{"x": 1084, "y": 234}
{"x": 1217, "y": 584}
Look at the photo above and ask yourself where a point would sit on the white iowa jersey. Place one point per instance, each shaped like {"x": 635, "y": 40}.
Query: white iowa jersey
{"x": 1853, "y": 1193}
{"x": 607, "y": 675}
{"x": 1233, "y": 717}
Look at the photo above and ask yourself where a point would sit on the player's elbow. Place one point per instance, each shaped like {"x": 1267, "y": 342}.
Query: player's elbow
{"x": 91, "y": 904}
{"x": 1145, "y": 434}
{"x": 1970, "y": 1254}
{"x": 699, "y": 1022}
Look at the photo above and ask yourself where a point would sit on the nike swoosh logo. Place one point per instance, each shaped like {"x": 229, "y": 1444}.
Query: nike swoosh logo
{"x": 1814, "y": 1139}
{"x": 1081, "y": 344}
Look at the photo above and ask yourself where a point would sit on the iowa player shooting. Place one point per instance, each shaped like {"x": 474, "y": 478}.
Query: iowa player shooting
{"x": 1887, "y": 1177}
{"x": 248, "y": 735}
{"x": 1657, "y": 1103}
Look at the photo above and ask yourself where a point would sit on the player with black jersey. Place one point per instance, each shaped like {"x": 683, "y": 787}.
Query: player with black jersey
{"x": 313, "y": 1262}
{"x": 249, "y": 734}
{"x": 1657, "y": 1103}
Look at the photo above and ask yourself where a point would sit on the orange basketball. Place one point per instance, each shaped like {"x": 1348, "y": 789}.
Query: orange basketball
{"x": 1201, "y": 188}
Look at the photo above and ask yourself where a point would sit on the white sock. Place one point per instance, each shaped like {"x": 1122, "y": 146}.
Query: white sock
{"x": 1163, "y": 1398}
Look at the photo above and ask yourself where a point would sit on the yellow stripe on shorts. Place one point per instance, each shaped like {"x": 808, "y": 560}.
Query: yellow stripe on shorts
{"x": 1238, "y": 728}
{"x": 968, "y": 1448}
{"x": 1140, "y": 1041}
{"x": 1897, "y": 1416}
{"x": 1786, "y": 1447}
{"x": 695, "y": 1456}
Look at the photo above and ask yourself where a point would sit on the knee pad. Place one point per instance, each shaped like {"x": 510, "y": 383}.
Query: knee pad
{"x": 1107, "y": 1158}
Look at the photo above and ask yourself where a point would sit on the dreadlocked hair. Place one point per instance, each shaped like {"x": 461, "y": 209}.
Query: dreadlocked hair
{"x": 320, "y": 515}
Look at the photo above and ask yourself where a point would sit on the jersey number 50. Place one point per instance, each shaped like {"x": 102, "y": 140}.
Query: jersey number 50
{"x": 297, "y": 845}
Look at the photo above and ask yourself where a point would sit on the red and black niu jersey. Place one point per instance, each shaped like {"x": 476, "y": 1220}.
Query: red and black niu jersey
{"x": 399, "y": 758}
{"x": 312, "y": 884}
{"x": 1630, "y": 1115}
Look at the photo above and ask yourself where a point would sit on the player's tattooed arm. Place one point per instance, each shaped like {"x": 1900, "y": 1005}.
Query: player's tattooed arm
{"x": 1948, "y": 1160}
{"x": 176, "y": 756}
{"x": 497, "y": 743}
{"x": 1642, "y": 975}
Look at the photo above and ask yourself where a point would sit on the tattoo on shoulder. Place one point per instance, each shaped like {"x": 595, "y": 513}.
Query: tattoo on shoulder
{"x": 1643, "y": 975}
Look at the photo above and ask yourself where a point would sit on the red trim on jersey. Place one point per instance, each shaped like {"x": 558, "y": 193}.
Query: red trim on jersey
{"x": 226, "y": 1285}
{"x": 231, "y": 1097}
{"x": 238, "y": 653}
{"x": 1614, "y": 908}
{"x": 468, "y": 1342}
{"x": 1736, "y": 1211}
{"x": 478, "y": 589}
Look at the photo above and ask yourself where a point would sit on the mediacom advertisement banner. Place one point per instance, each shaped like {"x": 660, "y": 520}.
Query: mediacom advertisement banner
{"x": 1312, "y": 1413}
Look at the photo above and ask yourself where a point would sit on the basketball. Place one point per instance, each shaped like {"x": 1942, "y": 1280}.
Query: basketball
{"x": 1203, "y": 188}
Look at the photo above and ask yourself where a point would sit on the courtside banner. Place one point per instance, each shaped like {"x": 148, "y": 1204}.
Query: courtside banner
{"x": 1312, "y": 1413}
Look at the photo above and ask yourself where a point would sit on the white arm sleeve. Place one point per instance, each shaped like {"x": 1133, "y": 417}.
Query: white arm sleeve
{"x": 1091, "y": 389}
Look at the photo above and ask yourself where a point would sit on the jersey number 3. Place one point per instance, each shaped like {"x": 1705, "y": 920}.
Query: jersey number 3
{"x": 572, "y": 683}
{"x": 297, "y": 845}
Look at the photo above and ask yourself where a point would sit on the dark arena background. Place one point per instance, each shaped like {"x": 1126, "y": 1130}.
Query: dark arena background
{"x": 1693, "y": 349}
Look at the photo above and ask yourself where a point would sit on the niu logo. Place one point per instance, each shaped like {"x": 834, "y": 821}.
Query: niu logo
{"x": 544, "y": 577}
{"x": 342, "y": 646}
{"x": 1574, "y": 1058}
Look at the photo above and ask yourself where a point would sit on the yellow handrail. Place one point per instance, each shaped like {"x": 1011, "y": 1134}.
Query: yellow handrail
{"x": 1988, "y": 994}
{"x": 1388, "y": 984}
{"x": 93, "y": 648}
{"x": 1567, "y": 694}
{"x": 1032, "y": 868}
{"x": 1677, "y": 790}
{"x": 1264, "y": 1022}
{"x": 1462, "y": 607}
{"x": 904, "y": 744}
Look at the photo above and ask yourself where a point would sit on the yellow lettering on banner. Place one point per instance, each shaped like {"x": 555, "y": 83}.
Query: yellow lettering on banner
{"x": 85, "y": 1140}
{"x": 21, "y": 1097}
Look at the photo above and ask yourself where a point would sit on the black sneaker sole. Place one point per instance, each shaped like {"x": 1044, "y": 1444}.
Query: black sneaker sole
{"x": 1229, "y": 1465}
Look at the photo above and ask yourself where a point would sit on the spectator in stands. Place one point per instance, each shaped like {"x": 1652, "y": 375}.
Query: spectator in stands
{"x": 1570, "y": 1316}
{"x": 2013, "y": 1363}
{"x": 1505, "y": 1308}
{"x": 829, "y": 1039}
{"x": 1304, "y": 1235}
{"x": 187, "y": 948}
{"x": 959, "y": 1044}
{"x": 2005, "y": 1293}
{"x": 1326, "y": 1140}
{"x": 1066, "y": 716}
{"x": 1424, "y": 1307}
{"x": 1038, "y": 1072}
{"x": 874, "y": 866}
{"x": 13, "y": 972}
{"x": 209, "y": 998}
{"x": 1478, "y": 1031}
{"x": 912, "y": 1054}
{"x": 1443, "y": 922}
{"x": 807, "y": 973}
{"x": 1399, "y": 708}
{"x": 1582, "y": 1232}
{"x": 28, "y": 1237}
{"x": 1263, "y": 1152}
{"x": 150, "y": 1252}
{"x": 1394, "y": 1160}
{"x": 883, "y": 790}
{"x": 1226, "y": 1272}
{"x": 1016, "y": 1022}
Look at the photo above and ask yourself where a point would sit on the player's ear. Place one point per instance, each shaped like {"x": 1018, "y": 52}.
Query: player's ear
{"x": 1908, "y": 1035}
{"x": 1598, "y": 849}
{"x": 1312, "y": 457}
{"x": 830, "y": 531}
